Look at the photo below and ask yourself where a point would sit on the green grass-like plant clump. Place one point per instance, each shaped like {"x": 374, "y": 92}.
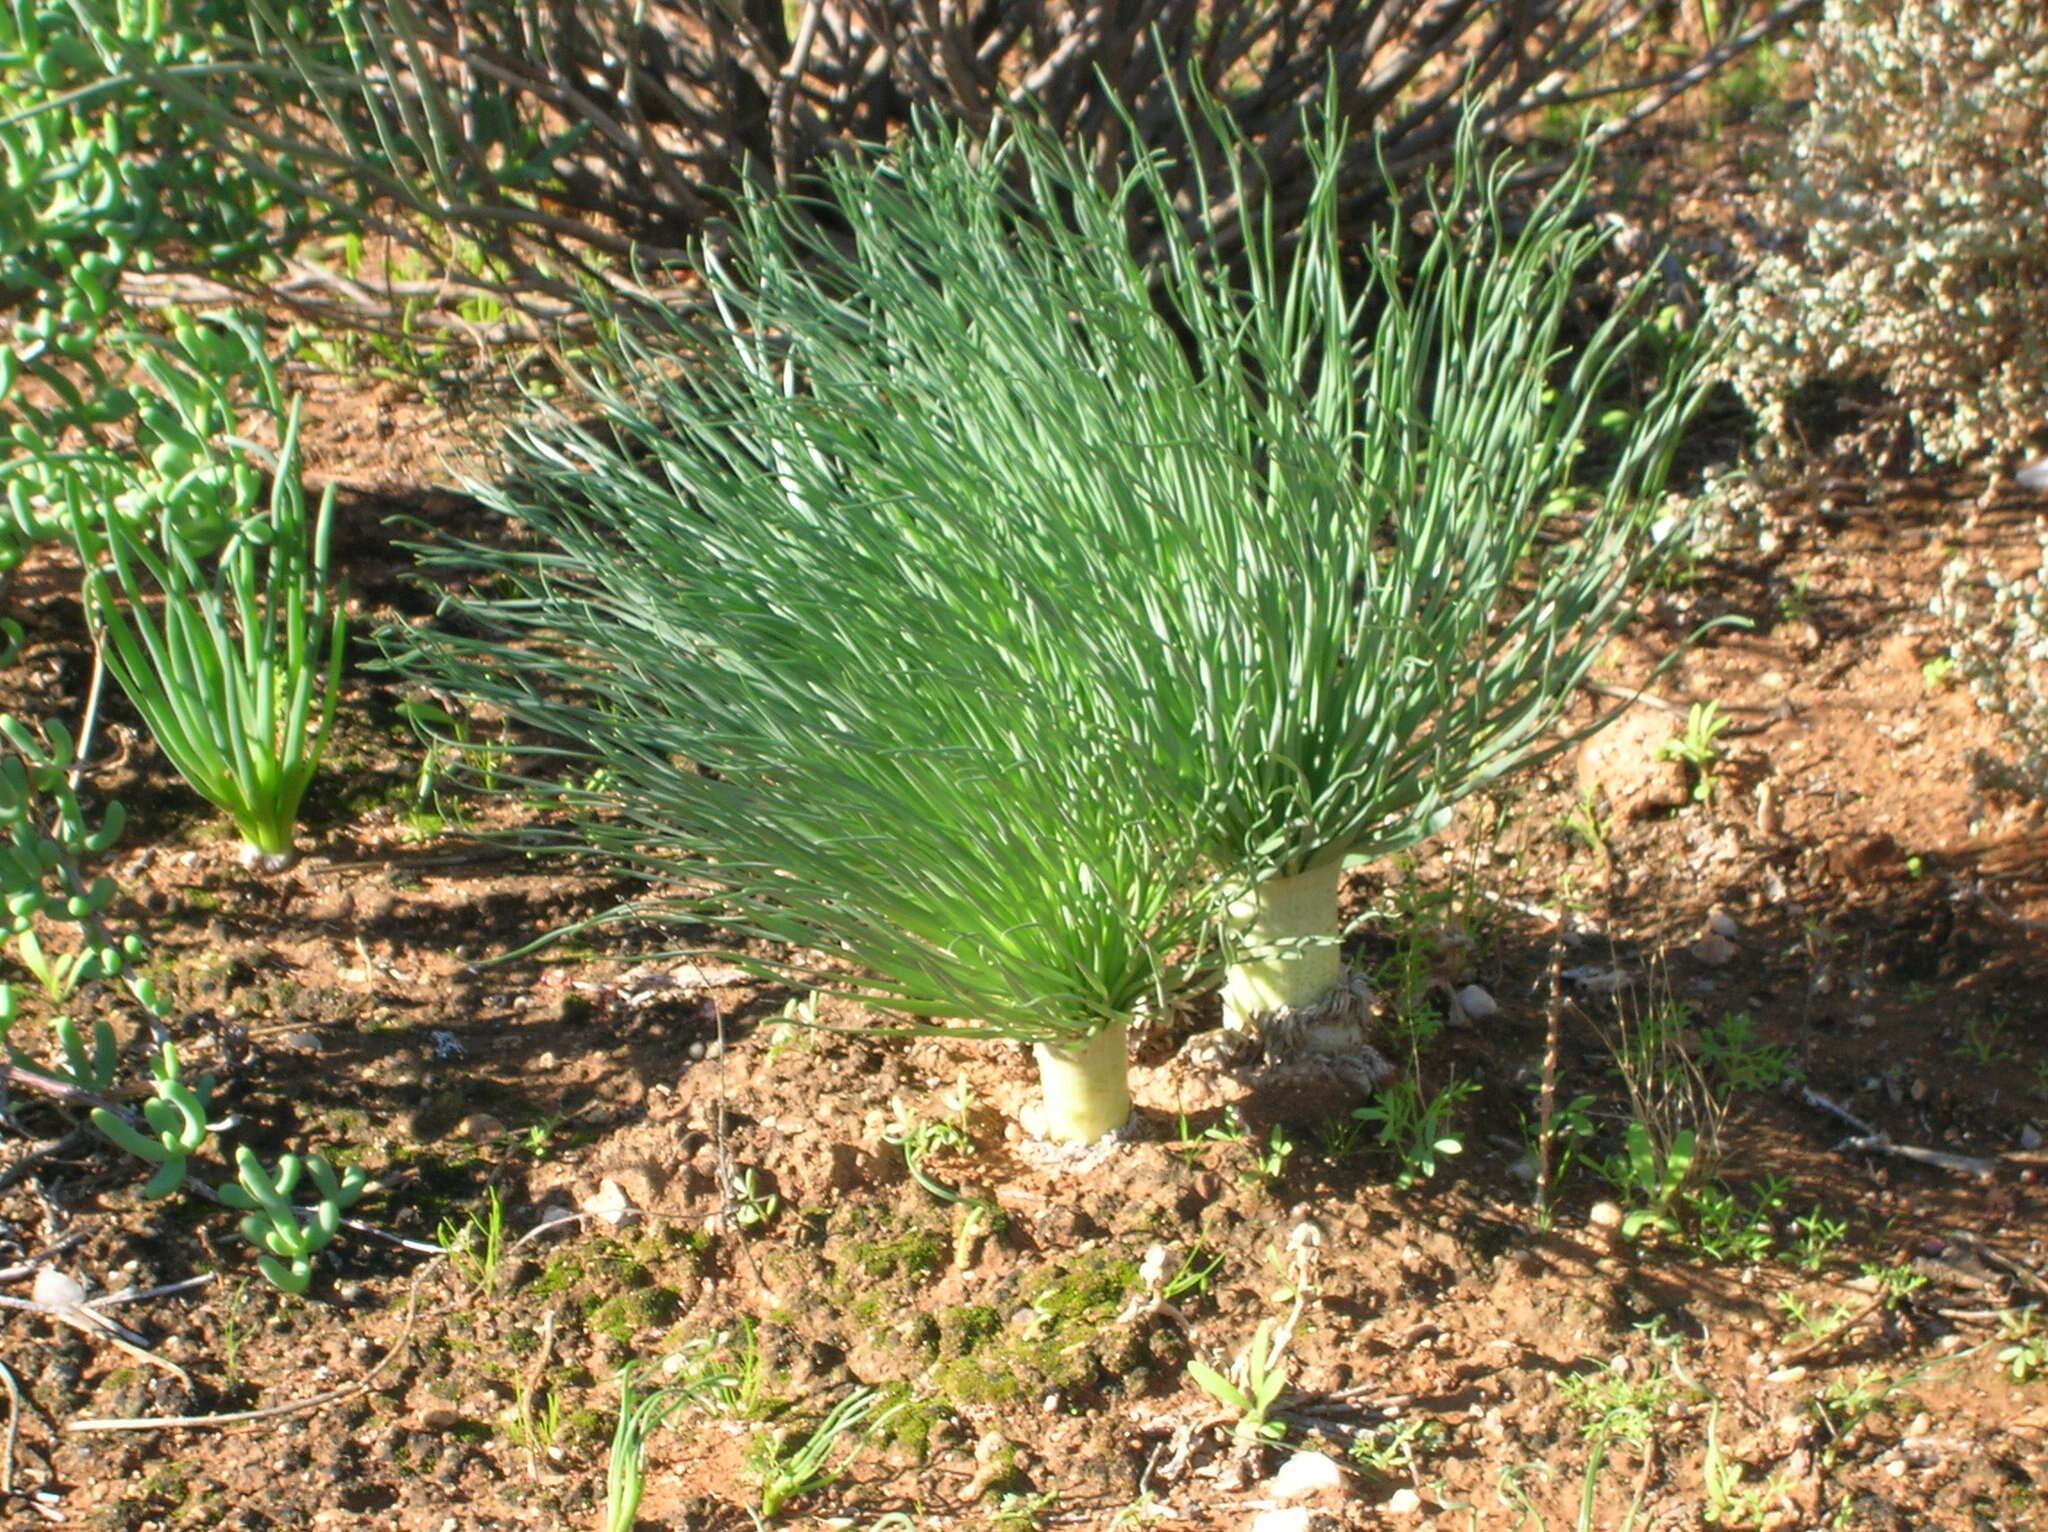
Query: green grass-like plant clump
{"x": 237, "y": 667}
{"x": 981, "y": 606}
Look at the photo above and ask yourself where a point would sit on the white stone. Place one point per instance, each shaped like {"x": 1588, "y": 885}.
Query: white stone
{"x": 1403, "y": 1502}
{"x": 1723, "y": 925}
{"x": 1293, "y": 1518}
{"x": 1476, "y": 1003}
{"x": 610, "y": 1203}
{"x": 54, "y": 1289}
{"x": 1305, "y": 1476}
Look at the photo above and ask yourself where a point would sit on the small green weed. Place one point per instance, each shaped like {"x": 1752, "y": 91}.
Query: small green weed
{"x": 1699, "y": 747}
{"x": 1817, "y": 1240}
{"x": 1729, "y": 1501}
{"x": 1571, "y": 1136}
{"x": 2026, "y": 1357}
{"x": 801, "y": 1465}
{"x": 1393, "y": 1449}
{"x": 1262, "y": 1376}
{"x": 725, "y": 1373}
{"x": 753, "y": 1206}
{"x": 1843, "y": 1404}
{"x": 476, "y": 1248}
{"x": 1796, "y": 604}
{"x": 1986, "y": 1042}
{"x": 536, "y": 1430}
{"x": 625, "y": 1474}
{"x": 1896, "y": 1284}
{"x": 918, "y": 1139}
{"x": 1653, "y": 1177}
{"x": 1269, "y": 1164}
{"x": 1814, "y": 1327}
{"x": 1616, "y": 1406}
{"x": 1587, "y": 823}
{"x": 1418, "y": 1132}
{"x": 1342, "y": 1136}
{"x": 1736, "y": 1060}
{"x": 1194, "y": 1276}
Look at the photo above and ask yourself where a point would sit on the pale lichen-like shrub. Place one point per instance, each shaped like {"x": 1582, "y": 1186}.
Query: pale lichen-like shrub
{"x": 1913, "y": 220}
{"x": 1998, "y": 638}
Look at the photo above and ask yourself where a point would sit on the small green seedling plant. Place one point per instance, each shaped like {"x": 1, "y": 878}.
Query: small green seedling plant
{"x": 1816, "y": 1239}
{"x": 237, "y": 670}
{"x": 1255, "y": 1387}
{"x": 1587, "y": 823}
{"x": 1729, "y": 1501}
{"x": 48, "y": 842}
{"x": 175, "y": 1121}
{"x": 1418, "y": 1131}
{"x": 536, "y": 1429}
{"x": 1736, "y": 1059}
{"x": 476, "y": 1247}
{"x": 1617, "y": 1405}
{"x": 2025, "y": 1357}
{"x": 1699, "y": 747}
{"x": 1194, "y": 1276}
{"x": 920, "y": 1138}
{"x": 640, "y": 1415}
{"x": 1655, "y": 1177}
{"x": 1727, "y": 1228}
{"x": 287, "y": 1240}
{"x": 1843, "y": 1404}
{"x": 1269, "y": 1162}
{"x": 1393, "y": 1448}
{"x": 1986, "y": 1042}
{"x": 452, "y": 749}
{"x": 1815, "y": 1327}
{"x": 753, "y": 1206}
{"x": 1572, "y": 1132}
{"x": 725, "y": 1373}
{"x": 790, "y": 1469}
{"x": 1896, "y": 1284}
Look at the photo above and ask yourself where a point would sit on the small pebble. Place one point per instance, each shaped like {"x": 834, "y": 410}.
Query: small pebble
{"x": 1305, "y": 1476}
{"x": 1293, "y": 1518}
{"x": 1403, "y": 1502}
{"x": 1476, "y": 1003}
{"x": 54, "y": 1289}
{"x": 1713, "y": 950}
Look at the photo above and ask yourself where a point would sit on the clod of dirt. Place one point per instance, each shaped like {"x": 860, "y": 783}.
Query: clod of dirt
{"x": 1622, "y": 762}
